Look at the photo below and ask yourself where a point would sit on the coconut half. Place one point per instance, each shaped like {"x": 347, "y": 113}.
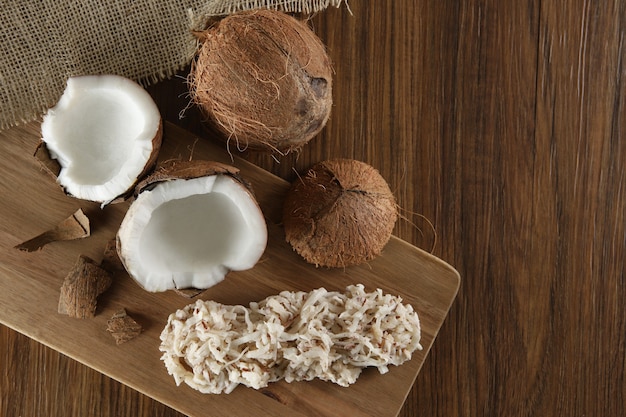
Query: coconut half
{"x": 190, "y": 224}
{"x": 105, "y": 133}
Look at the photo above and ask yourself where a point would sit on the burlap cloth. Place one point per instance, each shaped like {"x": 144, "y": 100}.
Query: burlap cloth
{"x": 46, "y": 41}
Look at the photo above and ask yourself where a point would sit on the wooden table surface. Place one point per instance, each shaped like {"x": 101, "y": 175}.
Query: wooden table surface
{"x": 502, "y": 123}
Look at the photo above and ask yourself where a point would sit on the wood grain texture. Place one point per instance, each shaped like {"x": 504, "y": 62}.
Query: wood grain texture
{"x": 32, "y": 282}
{"x": 503, "y": 124}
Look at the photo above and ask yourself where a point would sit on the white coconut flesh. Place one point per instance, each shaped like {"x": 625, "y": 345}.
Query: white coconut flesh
{"x": 101, "y": 132}
{"x": 191, "y": 233}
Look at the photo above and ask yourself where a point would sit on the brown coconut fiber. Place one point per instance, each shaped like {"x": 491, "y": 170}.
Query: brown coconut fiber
{"x": 264, "y": 80}
{"x": 341, "y": 213}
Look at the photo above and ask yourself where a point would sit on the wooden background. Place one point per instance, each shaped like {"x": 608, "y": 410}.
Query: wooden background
{"x": 502, "y": 123}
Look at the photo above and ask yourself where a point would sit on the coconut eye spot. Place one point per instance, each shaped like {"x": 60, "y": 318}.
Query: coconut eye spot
{"x": 319, "y": 86}
{"x": 193, "y": 233}
{"x": 98, "y": 146}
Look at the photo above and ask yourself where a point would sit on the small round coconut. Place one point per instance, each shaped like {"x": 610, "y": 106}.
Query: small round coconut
{"x": 341, "y": 213}
{"x": 264, "y": 80}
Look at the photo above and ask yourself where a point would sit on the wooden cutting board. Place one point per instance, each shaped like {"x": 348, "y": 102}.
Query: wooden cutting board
{"x": 31, "y": 202}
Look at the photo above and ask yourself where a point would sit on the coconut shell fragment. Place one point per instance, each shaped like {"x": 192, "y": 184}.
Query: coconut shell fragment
{"x": 341, "y": 213}
{"x": 73, "y": 227}
{"x": 123, "y": 327}
{"x": 264, "y": 81}
{"x": 47, "y": 163}
{"x": 81, "y": 288}
{"x": 110, "y": 259}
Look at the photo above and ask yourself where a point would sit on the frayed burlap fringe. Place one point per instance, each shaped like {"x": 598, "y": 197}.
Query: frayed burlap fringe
{"x": 47, "y": 41}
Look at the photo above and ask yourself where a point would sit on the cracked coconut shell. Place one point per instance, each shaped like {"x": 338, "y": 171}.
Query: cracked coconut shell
{"x": 341, "y": 213}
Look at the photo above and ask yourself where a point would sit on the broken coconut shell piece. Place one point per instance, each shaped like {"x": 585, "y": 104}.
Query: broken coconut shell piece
{"x": 123, "y": 327}
{"x": 110, "y": 259}
{"x": 81, "y": 288}
{"x": 75, "y": 226}
{"x": 104, "y": 133}
{"x": 190, "y": 223}
{"x": 341, "y": 213}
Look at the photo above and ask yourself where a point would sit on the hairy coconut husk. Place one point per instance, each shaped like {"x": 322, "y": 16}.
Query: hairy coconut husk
{"x": 264, "y": 80}
{"x": 341, "y": 213}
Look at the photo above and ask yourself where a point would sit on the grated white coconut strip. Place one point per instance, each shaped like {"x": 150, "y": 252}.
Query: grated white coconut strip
{"x": 295, "y": 336}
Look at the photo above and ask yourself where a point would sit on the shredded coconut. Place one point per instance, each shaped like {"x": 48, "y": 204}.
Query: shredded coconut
{"x": 295, "y": 336}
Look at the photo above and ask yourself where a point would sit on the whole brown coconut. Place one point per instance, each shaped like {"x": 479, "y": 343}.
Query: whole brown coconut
{"x": 264, "y": 80}
{"x": 341, "y": 213}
